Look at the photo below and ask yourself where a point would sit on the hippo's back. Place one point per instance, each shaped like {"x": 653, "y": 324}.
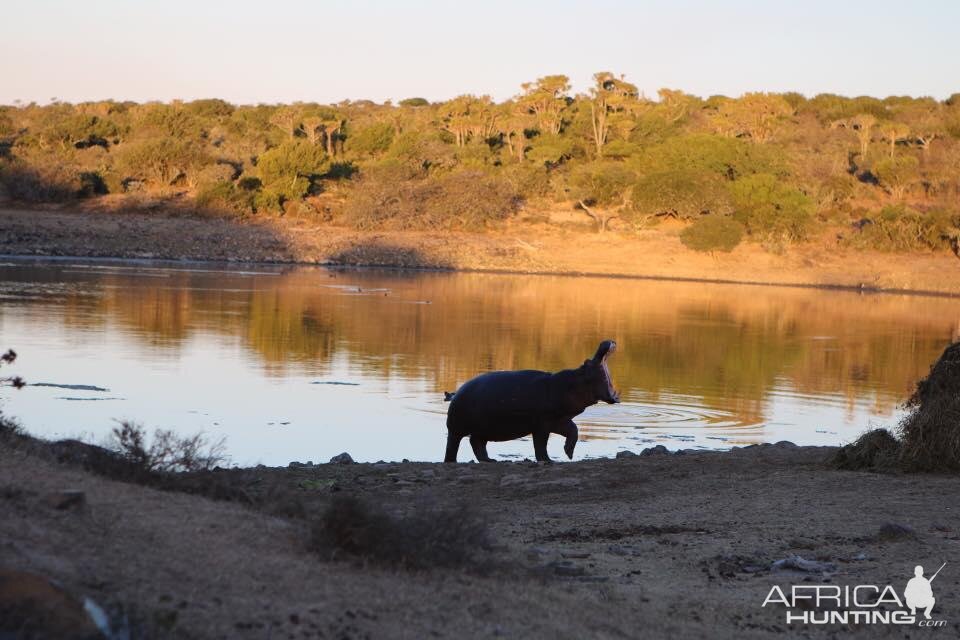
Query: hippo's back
{"x": 498, "y": 396}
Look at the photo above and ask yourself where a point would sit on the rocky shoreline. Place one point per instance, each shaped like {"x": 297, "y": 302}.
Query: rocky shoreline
{"x": 676, "y": 545}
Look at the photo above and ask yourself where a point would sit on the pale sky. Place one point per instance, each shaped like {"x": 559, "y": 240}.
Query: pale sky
{"x": 326, "y": 51}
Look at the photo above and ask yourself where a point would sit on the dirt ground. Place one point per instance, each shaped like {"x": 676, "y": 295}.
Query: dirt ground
{"x": 655, "y": 546}
{"x": 562, "y": 246}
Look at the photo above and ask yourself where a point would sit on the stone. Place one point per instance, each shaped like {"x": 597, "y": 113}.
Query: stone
{"x": 566, "y": 568}
{"x": 343, "y": 458}
{"x": 626, "y": 454}
{"x": 798, "y": 563}
{"x": 658, "y": 450}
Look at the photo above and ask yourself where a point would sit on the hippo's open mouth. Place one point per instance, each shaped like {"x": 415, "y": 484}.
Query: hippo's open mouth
{"x": 607, "y": 348}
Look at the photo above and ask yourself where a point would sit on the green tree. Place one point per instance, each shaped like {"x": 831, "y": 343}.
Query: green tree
{"x": 613, "y": 101}
{"x": 546, "y": 99}
{"x": 601, "y": 189}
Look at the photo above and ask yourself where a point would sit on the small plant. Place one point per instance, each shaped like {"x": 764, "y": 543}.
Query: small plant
{"x": 713, "y": 233}
{"x": 167, "y": 452}
{"x": 8, "y": 427}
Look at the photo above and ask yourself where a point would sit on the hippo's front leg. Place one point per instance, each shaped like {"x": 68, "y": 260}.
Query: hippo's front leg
{"x": 540, "y": 445}
{"x": 567, "y": 429}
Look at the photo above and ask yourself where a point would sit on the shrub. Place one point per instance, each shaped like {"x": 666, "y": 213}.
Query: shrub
{"x": 898, "y": 174}
{"x": 167, "y": 452}
{"x": 43, "y": 183}
{"x": 225, "y": 195}
{"x": 387, "y": 197}
{"x": 713, "y": 233}
{"x": 288, "y": 170}
{"x": 900, "y": 228}
{"x": 371, "y": 140}
{"x": 683, "y": 194}
{"x": 160, "y": 161}
{"x": 428, "y": 536}
{"x": 771, "y": 210}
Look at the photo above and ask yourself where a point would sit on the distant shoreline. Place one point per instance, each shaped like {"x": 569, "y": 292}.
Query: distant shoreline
{"x": 158, "y": 238}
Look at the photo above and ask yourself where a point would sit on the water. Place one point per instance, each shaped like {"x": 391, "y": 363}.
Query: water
{"x": 303, "y": 363}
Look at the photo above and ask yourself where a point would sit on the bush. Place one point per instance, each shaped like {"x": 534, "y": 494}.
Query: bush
{"x": 682, "y": 194}
{"x": 900, "y": 228}
{"x": 771, "y": 210}
{"x": 225, "y": 195}
{"x": 167, "y": 452}
{"x": 713, "y": 233}
{"x": 387, "y": 197}
{"x": 898, "y": 174}
{"x": 428, "y": 536}
{"x": 371, "y": 140}
{"x": 46, "y": 183}
{"x": 289, "y": 169}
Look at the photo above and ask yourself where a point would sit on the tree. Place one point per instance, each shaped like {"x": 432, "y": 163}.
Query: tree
{"x": 468, "y": 118}
{"x": 513, "y": 124}
{"x": 547, "y": 98}
{"x": 863, "y": 125}
{"x": 601, "y": 189}
{"x": 893, "y": 132}
{"x": 755, "y": 115}
{"x": 612, "y": 100}
{"x": 896, "y": 175}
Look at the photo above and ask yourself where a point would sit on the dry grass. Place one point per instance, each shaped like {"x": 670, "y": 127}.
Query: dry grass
{"x": 875, "y": 450}
{"x": 930, "y": 433}
{"x": 427, "y": 536}
{"x": 928, "y": 438}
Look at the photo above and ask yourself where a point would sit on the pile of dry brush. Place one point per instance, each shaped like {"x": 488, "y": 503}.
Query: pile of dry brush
{"x": 928, "y": 438}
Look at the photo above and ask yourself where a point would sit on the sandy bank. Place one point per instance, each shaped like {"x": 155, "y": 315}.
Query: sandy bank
{"x": 660, "y": 546}
{"x": 522, "y": 248}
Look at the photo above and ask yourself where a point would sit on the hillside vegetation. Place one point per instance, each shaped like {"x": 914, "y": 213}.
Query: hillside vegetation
{"x": 769, "y": 168}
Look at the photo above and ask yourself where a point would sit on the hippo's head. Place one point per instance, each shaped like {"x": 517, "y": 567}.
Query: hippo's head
{"x": 598, "y": 374}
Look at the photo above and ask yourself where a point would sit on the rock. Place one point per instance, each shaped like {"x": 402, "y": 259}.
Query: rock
{"x": 575, "y": 554}
{"x": 32, "y": 606}
{"x": 69, "y": 499}
{"x": 658, "y": 450}
{"x": 429, "y": 473}
{"x": 295, "y": 465}
{"x": 343, "y": 458}
{"x": 798, "y": 563}
{"x": 512, "y": 479}
{"x": 626, "y": 454}
{"x": 892, "y": 531}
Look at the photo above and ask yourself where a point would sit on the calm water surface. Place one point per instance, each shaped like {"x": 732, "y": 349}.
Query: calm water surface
{"x": 303, "y": 363}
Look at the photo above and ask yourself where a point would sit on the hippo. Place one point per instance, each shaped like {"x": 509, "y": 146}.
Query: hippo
{"x": 505, "y": 405}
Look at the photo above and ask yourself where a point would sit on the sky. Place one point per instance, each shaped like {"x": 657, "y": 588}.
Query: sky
{"x": 329, "y": 50}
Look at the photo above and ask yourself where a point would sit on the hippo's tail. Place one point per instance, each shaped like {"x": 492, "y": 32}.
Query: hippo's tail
{"x": 448, "y": 395}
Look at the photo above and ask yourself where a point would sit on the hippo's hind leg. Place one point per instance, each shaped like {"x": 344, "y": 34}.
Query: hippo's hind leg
{"x": 453, "y": 445}
{"x": 480, "y": 449}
